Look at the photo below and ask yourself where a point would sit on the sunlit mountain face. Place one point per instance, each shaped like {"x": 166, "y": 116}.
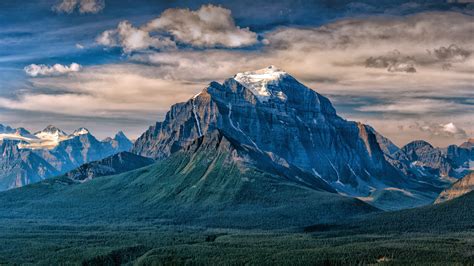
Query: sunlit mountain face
{"x": 236, "y": 132}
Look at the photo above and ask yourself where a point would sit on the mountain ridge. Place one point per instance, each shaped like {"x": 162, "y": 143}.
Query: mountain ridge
{"x": 295, "y": 126}
{"x": 53, "y": 148}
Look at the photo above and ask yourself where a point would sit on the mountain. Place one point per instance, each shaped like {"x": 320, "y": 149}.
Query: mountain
{"x": 82, "y": 147}
{"x": 21, "y": 134}
{"x": 214, "y": 181}
{"x": 468, "y": 144}
{"x": 21, "y": 167}
{"x": 449, "y": 163}
{"x": 271, "y": 112}
{"x": 115, "y": 164}
{"x": 6, "y": 129}
{"x": 428, "y": 158}
{"x": 461, "y": 187}
{"x": 60, "y": 151}
{"x": 120, "y": 142}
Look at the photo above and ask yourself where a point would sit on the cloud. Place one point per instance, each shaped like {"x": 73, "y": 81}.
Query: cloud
{"x": 83, "y": 6}
{"x": 209, "y": 26}
{"x": 442, "y": 130}
{"x": 133, "y": 39}
{"x": 407, "y": 105}
{"x": 451, "y": 53}
{"x": 35, "y": 70}
{"x": 113, "y": 91}
{"x": 393, "y": 62}
{"x": 330, "y": 59}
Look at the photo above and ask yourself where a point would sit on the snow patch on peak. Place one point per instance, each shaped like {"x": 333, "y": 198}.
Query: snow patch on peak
{"x": 80, "y": 131}
{"x": 258, "y": 82}
{"x": 52, "y": 130}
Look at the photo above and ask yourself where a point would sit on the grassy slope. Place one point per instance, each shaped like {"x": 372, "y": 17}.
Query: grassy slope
{"x": 456, "y": 215}
{"x": 123, "y": 218}
{"x": 209, "y": 187}
{"x": 404, "y": 237}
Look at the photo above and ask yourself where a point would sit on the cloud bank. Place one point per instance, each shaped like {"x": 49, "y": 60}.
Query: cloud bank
{"x": 332, "y": 59}
{"x": 209, "y": 26}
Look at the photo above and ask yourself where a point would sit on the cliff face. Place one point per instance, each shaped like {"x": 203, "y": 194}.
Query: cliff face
{"x": 271, "y": 112}
{"x": 21, "y": 167}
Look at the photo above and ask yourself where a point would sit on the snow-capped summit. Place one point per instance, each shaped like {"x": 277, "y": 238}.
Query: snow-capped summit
{"x": 20, "y": 134}
{"x": 260, "y": 82}
{"x": 80, "y": 131}
{"x": 51, "y": 133}
{"x": 49, "y": 138}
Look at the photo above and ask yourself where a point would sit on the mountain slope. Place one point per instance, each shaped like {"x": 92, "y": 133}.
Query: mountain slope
{"x": 21, "y": 167}
{"x": 275, "y": 114}
{"x": 461, "y": 187}
{"x": 211, "y": 182}
{"x": 75, "y": 151}
{"x": 60, "y": 151}
{"x": 115, "y": 164}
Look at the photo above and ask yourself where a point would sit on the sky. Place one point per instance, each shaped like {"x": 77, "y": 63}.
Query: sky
{"x": 404, "y": 67}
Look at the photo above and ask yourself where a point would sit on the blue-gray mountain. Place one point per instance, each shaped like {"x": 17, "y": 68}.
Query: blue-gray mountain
{"x": 118, "y": 163}
{"x": 270, "y": 112}
{"x": 452, "y": 162}
{"x": 50, "y": 152}
{"x": 19, "y": 167}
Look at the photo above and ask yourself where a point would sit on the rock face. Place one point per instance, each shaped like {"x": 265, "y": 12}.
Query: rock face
{"x": 119, "y": 143}
{"x": 115, "y": 164}
{"x": 82, "y": 148}
{"x": 460, "y": 188}
{"x": 270, "y": 112}
{"x": 60, "y": 151}
{"x": 430, "y": 161}
{"x": 212, "y": 182}
{"x": 21, "y": 167}
{"x": 421, "y": 153}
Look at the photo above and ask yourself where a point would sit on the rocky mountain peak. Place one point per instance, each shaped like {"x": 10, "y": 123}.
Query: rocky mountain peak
{"x": 80, "y": 131}
{"x": 469, "y": 144}
{"x": 120, "y": 135}
{"x": 262, "y": 83}
{"x": 51, "y": 130}
{"x": 416, "y": 144}
{"x": 6, "y": 129}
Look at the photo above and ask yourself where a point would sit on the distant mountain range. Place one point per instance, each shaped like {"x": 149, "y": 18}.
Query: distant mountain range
{"x": 256, "y": 132}
{"x": 28, "y": 158}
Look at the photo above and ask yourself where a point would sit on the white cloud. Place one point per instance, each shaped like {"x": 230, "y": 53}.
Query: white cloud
{"x": 79, "y": 46}
{"x": 209, "y": 26}
{"x": 112, "y": 91}
{"x": 443, "y": 130}
{"x": 83, "y": 6}
{"x": 330, "y": 59}
{"x": 35, "y": 70}
{"x": 406, "y": 105}
{"x": 133, "y": 39}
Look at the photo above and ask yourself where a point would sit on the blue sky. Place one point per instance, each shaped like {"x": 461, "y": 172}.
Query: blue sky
{"x": 404, "y": 67}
